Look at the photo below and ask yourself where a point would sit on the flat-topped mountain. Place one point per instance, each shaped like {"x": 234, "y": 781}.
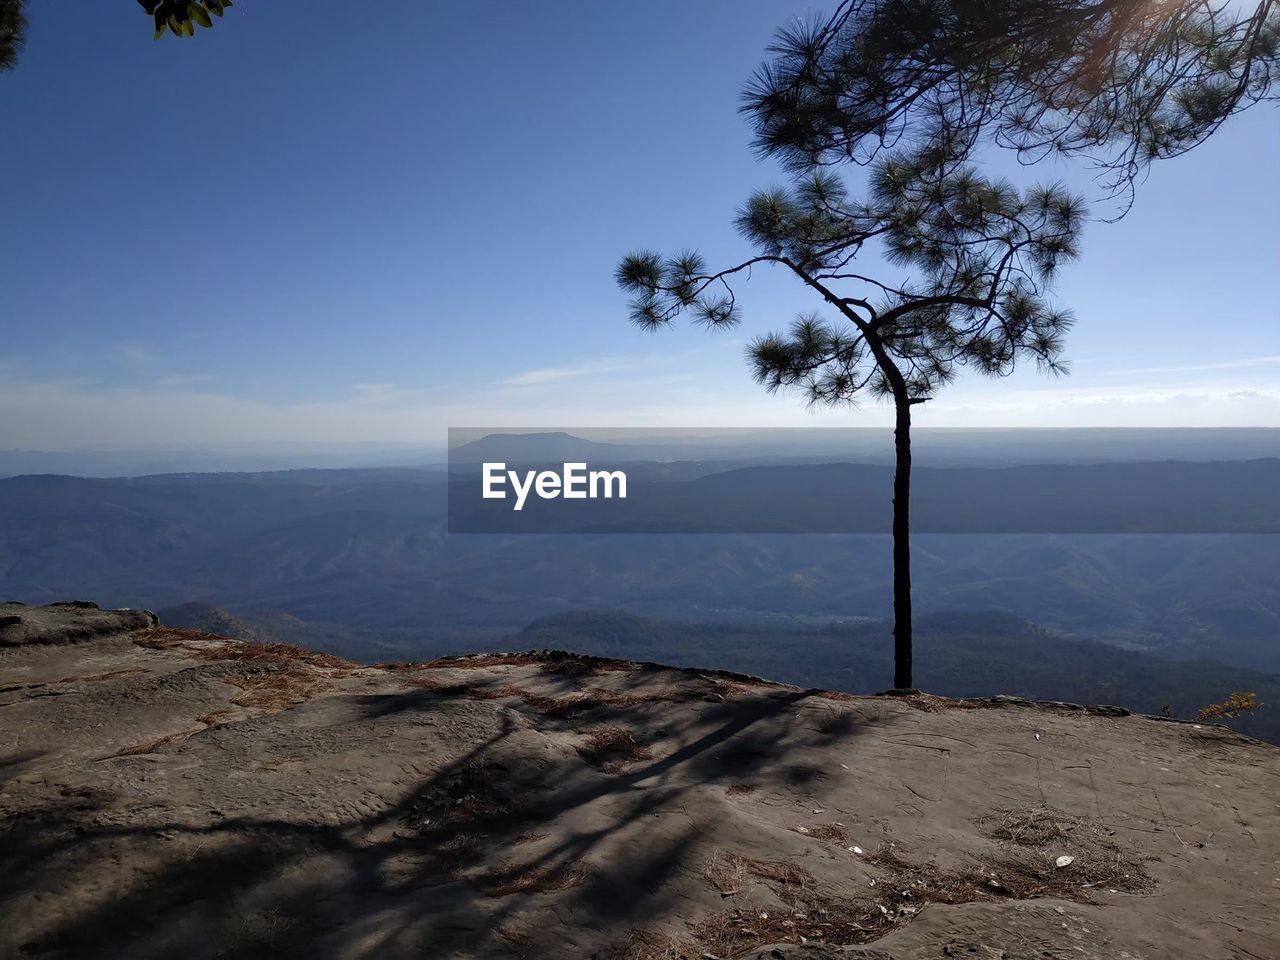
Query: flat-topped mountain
{"x": 539, "y": 448}
{"x": 171, "y": 793}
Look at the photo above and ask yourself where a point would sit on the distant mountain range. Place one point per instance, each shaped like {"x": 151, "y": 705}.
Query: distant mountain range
{"x": 1161, "y": 497}
{"x": 359, "y": 561}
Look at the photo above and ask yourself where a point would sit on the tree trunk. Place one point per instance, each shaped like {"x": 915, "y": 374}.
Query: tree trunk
{"x": 902, "y": 546}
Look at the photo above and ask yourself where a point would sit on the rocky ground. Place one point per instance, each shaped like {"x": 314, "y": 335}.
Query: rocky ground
{"x": 166, "y": 793}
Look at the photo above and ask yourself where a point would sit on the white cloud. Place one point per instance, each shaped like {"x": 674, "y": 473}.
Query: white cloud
{"x": 61, "y": 415}
{"x": 1200, "y": 367}
{"x": 548, "y": 375}
{"x": 1183, "y": 405}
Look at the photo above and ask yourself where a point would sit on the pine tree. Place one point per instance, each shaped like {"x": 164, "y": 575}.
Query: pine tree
{"x": 980, "y": 254}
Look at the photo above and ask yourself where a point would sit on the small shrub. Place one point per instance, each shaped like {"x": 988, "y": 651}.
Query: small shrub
{"x": 1233, "y": 706}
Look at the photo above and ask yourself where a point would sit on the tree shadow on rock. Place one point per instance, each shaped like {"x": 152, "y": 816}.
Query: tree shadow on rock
{"x": 472, "y": 858}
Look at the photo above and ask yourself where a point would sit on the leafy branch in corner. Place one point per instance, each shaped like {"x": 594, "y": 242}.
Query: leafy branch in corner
{"x": 181, "y": 17}
{"x": 1118, "y": 82}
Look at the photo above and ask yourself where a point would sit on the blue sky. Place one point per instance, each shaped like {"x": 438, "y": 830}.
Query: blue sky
{"x": 325, "y": 227}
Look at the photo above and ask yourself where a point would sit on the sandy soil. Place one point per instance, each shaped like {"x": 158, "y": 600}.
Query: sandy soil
{"x": 165, "y": 794}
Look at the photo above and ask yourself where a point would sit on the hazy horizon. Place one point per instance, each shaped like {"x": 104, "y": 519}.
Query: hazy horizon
{"x": 866, "y": 444}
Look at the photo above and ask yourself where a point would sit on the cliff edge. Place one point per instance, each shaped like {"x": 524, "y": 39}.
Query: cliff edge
{"x": 165, "y": 792}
